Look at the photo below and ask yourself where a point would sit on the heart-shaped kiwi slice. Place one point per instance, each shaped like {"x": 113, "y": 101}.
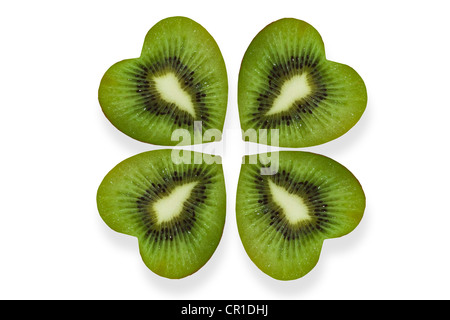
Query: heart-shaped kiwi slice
{"x": 289, "y": 90}
{"x": 174, "y": 204}
{"x": 288, "y": 203}
{"x": 178, "y": 82}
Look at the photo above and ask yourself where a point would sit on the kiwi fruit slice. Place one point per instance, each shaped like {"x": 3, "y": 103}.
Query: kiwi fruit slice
{"x": 288, "y": 206}
{"x": 288, "y": 88}
{"x": 178, "y": 82}
{"x": 174, "y": 205}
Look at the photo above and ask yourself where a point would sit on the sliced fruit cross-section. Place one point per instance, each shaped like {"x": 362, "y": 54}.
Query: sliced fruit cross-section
{"x": 284, "y": 218}
{"x": 179, "y": 79}
{"x": 287, "y": 84}
{"x": 177, "y": 211}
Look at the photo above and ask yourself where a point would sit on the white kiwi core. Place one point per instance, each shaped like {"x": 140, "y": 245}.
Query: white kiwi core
{"x": 294, "y": 89}
{"x": 170, "y": 90}
{"x": 170, "y": 206}
{"x": 294, "y": 207}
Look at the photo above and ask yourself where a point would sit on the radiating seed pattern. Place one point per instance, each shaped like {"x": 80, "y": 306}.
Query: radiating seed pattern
{"x": 284, "y": 70}
{"x": 141, "y": 76}
{"x": 161, "y": 186}
{"x": 273, "y": 214}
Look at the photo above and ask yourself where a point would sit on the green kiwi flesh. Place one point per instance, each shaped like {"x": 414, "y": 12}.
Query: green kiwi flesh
{"x": 175, "y": 208}
{"x": 284, "y": 217}
{"x": 287, "y": 87}
{"x": 179, "y": 80}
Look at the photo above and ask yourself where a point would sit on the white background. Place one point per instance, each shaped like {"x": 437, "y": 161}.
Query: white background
{"x": 57, "y": 146}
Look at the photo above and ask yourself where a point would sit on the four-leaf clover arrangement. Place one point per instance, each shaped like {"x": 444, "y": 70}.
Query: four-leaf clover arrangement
{"x": 174, "y": 201}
